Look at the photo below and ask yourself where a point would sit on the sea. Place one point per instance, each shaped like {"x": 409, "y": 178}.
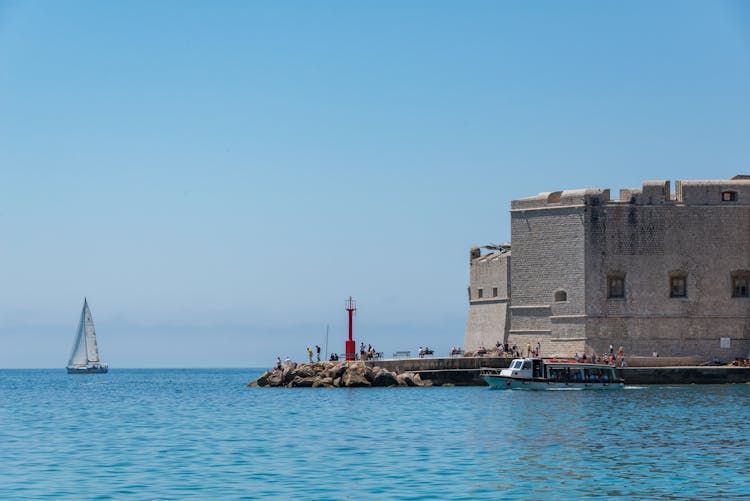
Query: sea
{"x": 204, "y": 434}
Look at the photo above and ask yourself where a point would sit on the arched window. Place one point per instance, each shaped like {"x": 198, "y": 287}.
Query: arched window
{"x": 561, "y": 296}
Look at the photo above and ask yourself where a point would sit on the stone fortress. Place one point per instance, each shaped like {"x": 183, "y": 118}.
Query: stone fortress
{"x": 653, "y": 271}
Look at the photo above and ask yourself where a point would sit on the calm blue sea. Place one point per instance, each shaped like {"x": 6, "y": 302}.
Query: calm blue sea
{"x": 203, "y": 434}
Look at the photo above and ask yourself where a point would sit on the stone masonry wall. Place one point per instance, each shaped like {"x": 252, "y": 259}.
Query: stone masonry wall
{"x": 490, "y": 273}
{"x": 651, "y": 243}
{"x": 488, "y": 320}
{"x": 548, "y": 258}
{"x": 567, "y": 244}
{"x": 486, "y": 325}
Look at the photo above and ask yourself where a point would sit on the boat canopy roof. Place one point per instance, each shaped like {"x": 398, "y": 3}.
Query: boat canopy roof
{"x": 560, "y": 361}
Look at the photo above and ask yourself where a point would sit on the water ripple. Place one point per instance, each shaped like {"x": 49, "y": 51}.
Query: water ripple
{"x": 202, "y": 434}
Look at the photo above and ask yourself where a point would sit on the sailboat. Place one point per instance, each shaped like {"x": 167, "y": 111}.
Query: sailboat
{"x": 85, "y": 356}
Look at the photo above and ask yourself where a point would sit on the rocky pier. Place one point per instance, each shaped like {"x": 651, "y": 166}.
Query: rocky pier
{"x": 337, "y": 375}
{"x": 464, "y": 371}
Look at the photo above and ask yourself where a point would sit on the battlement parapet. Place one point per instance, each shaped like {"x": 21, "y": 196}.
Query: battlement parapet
{"x": 567, "y": 198}
{"x": 691, "y": 192}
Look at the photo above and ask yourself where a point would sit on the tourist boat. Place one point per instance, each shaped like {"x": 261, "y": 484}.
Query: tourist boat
{"x": 552, "y": 374}
{"x": 85, "y": 356}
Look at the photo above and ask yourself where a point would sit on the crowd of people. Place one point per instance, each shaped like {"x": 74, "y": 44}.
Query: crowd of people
{"x": 310, "y": 353}
{"x": 367, "y": 354}
{"x": 425, "y": 351}
{"x": 279, "y": 365}
{"x": 506, "y": 350}
{"x": 568, "y": 374}
{"x": 610, "y": 358}
{"x": 501, "y": 349}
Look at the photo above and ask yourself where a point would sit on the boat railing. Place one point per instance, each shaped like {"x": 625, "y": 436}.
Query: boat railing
{"x": 489, "y": 371}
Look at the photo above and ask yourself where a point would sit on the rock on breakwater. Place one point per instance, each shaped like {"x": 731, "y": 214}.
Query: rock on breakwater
{"x": 336, "y": 375}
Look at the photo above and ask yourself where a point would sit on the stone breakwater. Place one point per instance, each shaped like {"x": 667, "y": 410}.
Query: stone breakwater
{"x": 336, "y": 375}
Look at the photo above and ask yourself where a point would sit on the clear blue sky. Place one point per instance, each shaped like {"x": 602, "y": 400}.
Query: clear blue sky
{"x": 217, "y": 177}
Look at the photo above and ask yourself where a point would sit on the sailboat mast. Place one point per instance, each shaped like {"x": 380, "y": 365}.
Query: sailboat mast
{"x": 326, "y": 342}
{"x": 83, "y": 320}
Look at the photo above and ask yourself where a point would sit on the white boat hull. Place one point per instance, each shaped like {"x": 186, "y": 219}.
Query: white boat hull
{"x": 512, "y": 383}
{"x": 88, "y": 370}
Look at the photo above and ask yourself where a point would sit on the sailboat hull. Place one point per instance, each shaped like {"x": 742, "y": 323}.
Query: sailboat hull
{"x": 88, "y": 370}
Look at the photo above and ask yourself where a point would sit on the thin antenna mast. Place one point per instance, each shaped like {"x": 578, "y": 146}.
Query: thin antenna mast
{"x": 326, "y": 341}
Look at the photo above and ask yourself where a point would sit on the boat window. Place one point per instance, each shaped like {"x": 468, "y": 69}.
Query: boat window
{"x": 527, "y": 365}
{"x": 516, "y": 364}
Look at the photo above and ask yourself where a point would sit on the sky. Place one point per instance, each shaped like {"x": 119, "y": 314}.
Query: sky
{"x": 218, "y": 177}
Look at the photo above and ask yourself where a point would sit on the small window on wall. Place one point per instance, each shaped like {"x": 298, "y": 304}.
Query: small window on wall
{"x": 616, "y": 286}
{"x": 740, "y": 282}
{"x": 480, "y": 293}
{"x": 561, "y": 296}
{"x": 728, "y": 196}
{"x": 494, "y": 292}
{"x": 678, "y": 285}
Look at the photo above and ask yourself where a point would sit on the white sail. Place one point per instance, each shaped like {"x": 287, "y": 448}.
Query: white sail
{"x": 78, "y": 356}
{"x": 85, "y": 351}
{"x": 92, "y": 352}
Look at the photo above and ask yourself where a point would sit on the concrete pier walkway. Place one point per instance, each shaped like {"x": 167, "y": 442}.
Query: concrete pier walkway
{"x": 464, "y": 371}
{"x": 459, "y": 371}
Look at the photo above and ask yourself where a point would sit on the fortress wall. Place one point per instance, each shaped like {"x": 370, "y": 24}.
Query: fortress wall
{"x": 710, "y": 192}
{"x": 567, "y": 338}
{"x": 649, "y": 244}
{"x": 488, "y": 320}
{"x": 486, "y": 325}
{"x": 567, "y": 245}
{"x": 564, "y": 348}
{"x": 547, "y": 270}
{"x": 490, "y": 272}
{"x": 548, "y": 256}
{"x": 671, "y": 336}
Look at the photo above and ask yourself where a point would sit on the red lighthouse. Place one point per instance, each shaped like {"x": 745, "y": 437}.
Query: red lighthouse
{"x": 351, "y": 348}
